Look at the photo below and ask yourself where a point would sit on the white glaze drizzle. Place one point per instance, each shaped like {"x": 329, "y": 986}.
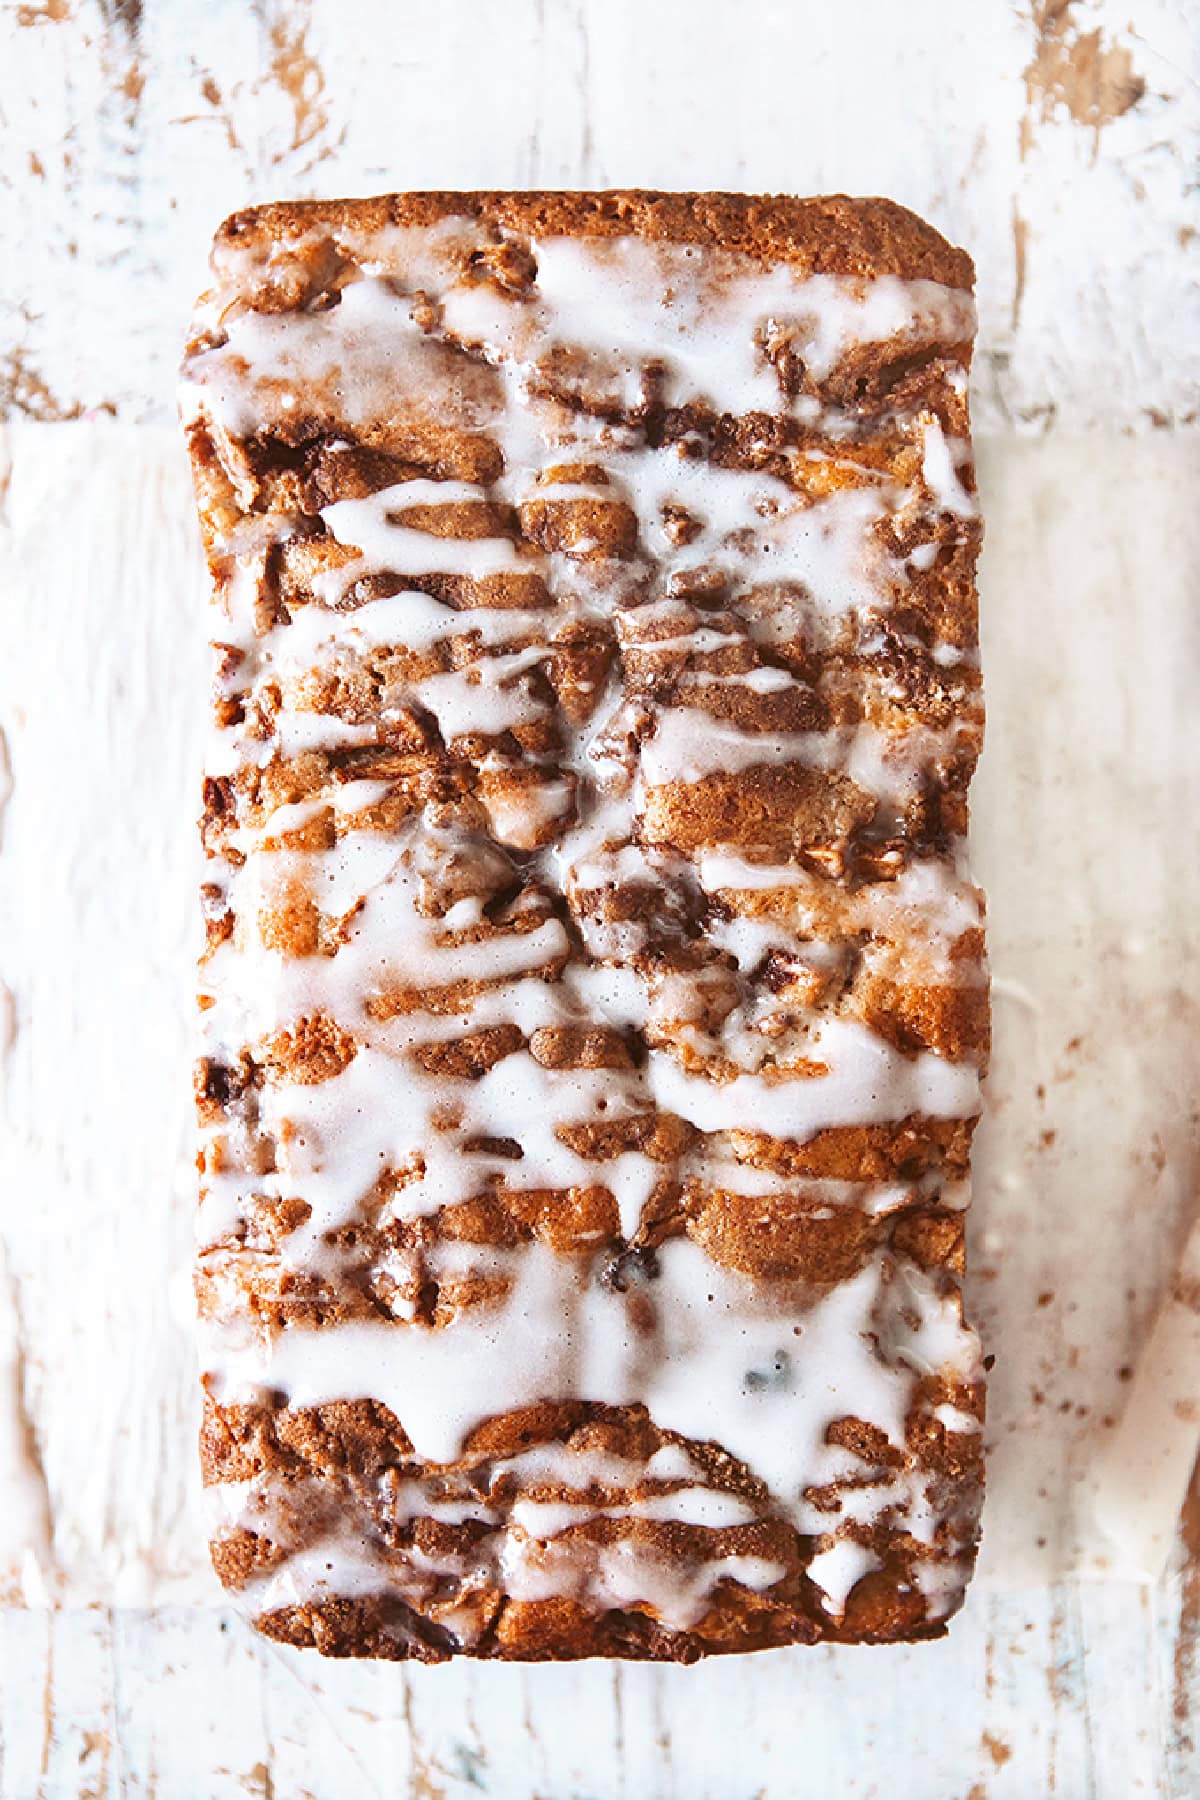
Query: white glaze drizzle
{"x": 555, "y": 1331}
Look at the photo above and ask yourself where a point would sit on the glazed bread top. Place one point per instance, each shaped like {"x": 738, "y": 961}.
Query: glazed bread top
{"x": 594, "y": 1006}
{"x": 831, "y": 234}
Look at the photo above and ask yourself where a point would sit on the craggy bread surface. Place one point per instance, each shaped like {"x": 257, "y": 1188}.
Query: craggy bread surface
{"x": 594, "y": 1000}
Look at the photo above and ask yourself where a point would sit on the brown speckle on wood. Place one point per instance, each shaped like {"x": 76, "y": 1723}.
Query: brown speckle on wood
{"x": 51, "y": 12}
{"x": 1095, "y": 81}
{"x": 294, "y": 68}
{"x": 1020, "y": 233}
{"x": 997, "y": 1749}
{"x": 22, "y": 390}
{"x": 1188, "y": 1640}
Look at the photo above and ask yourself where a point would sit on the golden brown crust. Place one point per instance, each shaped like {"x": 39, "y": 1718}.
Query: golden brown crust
{"x": 748, "y": 657}
{"x": 830, "y": 234}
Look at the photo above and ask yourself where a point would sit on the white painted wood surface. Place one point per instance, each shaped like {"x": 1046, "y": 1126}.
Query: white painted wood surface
{"x": 1021, "y": 1704}
{"x": 1057, "y": 141}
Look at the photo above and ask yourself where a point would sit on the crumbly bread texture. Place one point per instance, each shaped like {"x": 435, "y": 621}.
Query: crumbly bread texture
{"x": 594, "y": 1002}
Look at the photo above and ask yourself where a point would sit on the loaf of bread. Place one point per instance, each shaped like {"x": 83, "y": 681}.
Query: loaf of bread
{"x": 594, "y": 1003}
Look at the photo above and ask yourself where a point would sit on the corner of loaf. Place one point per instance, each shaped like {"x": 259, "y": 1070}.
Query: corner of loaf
{"x": 594, "y": 1001}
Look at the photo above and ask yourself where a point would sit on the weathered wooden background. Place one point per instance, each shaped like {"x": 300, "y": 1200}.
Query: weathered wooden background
{"x": 1058, "y": 140}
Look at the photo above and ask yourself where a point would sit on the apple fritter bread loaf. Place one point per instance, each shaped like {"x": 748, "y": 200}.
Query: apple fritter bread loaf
{"x": 594, "y": 1001}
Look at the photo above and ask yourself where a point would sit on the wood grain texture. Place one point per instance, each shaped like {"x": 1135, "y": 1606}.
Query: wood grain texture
{"x": 1021, "y": 1702}
{"x": 103, "y": 673}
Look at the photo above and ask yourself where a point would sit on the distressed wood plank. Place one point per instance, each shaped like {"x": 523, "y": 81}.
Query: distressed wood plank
{"x": 28, "y": 1699}
{"x": 1056, "y": 141}
{"x": 103, "y": 675}
{"x": 1087, "y": 1155}
{"x": 80, "y": 1752}
{"x": 1049, "y": 1692}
